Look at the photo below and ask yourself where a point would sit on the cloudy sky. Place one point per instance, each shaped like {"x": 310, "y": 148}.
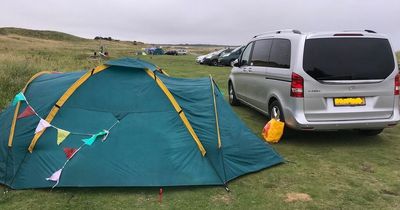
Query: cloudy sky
{"x": 201, "y": 21}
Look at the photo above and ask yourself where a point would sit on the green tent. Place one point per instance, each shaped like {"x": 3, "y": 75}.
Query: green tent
{"x": 158, "y": 51}
{"x": 125, "y": 123}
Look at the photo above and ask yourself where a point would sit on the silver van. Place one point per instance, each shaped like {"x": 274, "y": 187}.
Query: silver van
{"x": 320, "y": 81}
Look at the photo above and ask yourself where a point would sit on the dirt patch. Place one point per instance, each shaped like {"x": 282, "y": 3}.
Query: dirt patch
{"x": 291, "y": 197}
{"x": 222, "y": 198}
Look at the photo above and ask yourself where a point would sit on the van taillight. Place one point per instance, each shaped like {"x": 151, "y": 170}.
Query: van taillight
{"x": 297, "y": 86}
{"x": 397, "y": 84}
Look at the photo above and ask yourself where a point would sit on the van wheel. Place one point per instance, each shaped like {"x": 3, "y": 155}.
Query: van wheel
{"x": 373, "y": 132}
{"x": 232, "y": 95}
{"x": 275, "y": 111}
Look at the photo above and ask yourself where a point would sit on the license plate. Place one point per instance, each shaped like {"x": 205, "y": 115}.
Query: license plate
{"x": 349, "y": 101}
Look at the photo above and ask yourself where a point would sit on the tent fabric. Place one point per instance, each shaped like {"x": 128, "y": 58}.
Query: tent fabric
{"x": 148, "y": 146}
{"x": 11, "y": 134}
{"x": 53, "y": 112}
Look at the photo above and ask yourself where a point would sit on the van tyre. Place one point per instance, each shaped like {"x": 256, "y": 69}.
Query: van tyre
{"x": 275, "y": 111}
{"x": 232, "y": 95}
{"x": 373, "y": 132}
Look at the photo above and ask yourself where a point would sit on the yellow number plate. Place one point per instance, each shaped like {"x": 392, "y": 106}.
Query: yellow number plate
{"x": 355, "y": 101}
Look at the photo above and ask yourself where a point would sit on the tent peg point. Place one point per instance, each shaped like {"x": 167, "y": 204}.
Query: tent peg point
{"x": 227, "y": 188}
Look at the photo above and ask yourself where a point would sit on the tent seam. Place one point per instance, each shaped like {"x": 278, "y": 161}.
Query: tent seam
{"x": 178, "y": 109}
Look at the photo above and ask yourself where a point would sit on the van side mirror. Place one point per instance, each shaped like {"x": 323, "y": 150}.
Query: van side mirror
{"x": 235, "y": 63}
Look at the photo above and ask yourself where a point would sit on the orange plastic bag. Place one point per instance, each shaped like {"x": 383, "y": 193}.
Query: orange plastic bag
{"x": 273, "y": 131}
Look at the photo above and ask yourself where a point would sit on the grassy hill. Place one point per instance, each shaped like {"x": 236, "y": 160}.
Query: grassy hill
{"x": 50, "y": 35}
{"x": 24, "y": 52}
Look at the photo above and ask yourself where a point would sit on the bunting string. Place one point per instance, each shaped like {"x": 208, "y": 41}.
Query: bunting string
{"x": 21, "y": 97}
{"x": 70, "y": 153}
{"x": 62, "y": 134}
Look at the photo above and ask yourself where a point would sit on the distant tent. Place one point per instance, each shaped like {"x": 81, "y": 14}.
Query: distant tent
{"x": 155, "y": 51}
{"x": 124, "y": 124}
{"x": 158, "y": 51}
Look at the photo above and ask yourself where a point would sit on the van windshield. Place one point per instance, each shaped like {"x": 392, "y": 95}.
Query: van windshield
{"x": 237, "y": 49}
{"x": 348, "y": 58}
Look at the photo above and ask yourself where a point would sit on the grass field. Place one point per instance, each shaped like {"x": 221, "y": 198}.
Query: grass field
{"x": 338, "y": 170}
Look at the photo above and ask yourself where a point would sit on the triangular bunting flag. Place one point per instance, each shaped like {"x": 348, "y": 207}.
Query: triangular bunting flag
{"x": 61, "y": 135}
{"x": 55, "y": 177}
{"x": 42, "y": 125}
{"x": 19, "y": 97}
{"x": 26, "y": 113}
{"x": 89, "y": 141}
{"x": 70, "y": 152}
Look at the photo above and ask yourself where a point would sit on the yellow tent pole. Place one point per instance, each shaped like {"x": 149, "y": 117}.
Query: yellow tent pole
{"x": 215, "y": 112}
{"x": 64, "y": 99}
{"x": 14, "y": 121}
{"x": 178, "y": 109}
{"x": 162, "y": 71}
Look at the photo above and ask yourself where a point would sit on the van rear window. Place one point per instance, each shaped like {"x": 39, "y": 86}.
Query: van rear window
{"x": 348, "y": 58}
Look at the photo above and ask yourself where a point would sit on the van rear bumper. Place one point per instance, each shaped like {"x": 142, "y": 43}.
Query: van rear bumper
{"x": 300, "y": 123}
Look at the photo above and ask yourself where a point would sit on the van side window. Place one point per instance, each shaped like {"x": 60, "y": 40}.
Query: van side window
{"x": 280, "y": 54}
{"x": 244, "y": 60}
{"x": 261, "y": 52}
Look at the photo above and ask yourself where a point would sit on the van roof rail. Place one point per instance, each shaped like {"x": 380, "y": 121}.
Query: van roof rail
{"x": 279, "y": 32}
{"x": 365, "y": 30}
{"x": 370, "y": 31}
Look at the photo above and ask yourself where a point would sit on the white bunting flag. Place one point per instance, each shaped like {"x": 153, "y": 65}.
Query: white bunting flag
{"x": 43, "y": 124}
{"x": 55, "y": 177}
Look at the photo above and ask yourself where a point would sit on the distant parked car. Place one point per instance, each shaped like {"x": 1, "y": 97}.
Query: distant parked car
{"x": 171, "y": 52}
{"x": 182, "y": 52}
{"x": 212, "y": 58}
{"x": 200, "y": 59}
{"x": 226, "y": 59}
{"x": 320, "y": 81}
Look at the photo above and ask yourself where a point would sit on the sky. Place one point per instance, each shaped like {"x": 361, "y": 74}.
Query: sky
{"x": 202, "y": 21}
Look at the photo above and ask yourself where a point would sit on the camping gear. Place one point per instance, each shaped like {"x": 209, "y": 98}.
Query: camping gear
{"x": 273, "y": 130}
{"x": 125, "y": 123}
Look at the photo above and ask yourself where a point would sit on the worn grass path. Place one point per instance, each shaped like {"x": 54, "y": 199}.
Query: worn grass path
{"x": 338, "y": 170}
